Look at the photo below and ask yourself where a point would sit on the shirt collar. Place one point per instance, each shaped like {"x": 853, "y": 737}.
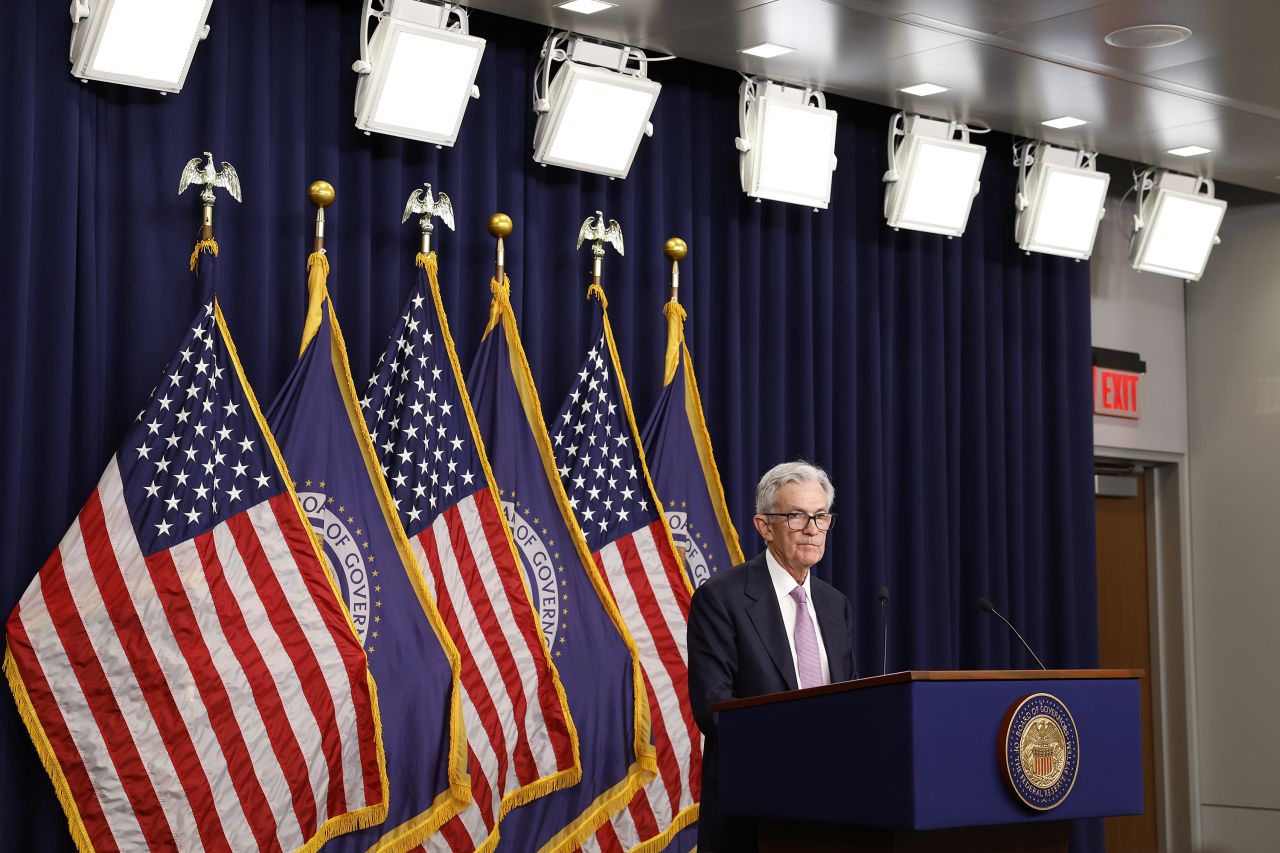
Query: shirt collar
{"x": 783, "y": 582}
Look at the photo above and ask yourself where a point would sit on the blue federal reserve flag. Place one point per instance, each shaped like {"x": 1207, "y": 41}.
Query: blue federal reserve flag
{"x": 685, "y": 476}
{"x": 591, "y": 647}
{"x": 321, "y": 431}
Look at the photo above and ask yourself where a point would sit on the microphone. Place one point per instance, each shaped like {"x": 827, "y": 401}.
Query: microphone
{"x": 884, "y": 618}
{"x": 990, "y": 608}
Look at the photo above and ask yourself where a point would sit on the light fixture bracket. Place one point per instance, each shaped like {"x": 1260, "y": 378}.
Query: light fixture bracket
{"x": 563, "y": 46}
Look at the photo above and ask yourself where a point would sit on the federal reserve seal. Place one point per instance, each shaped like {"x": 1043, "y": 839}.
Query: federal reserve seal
{"x": 540, "y": 568}
{"x": 343, "y": 550}
{"x": 1040, "y": 751}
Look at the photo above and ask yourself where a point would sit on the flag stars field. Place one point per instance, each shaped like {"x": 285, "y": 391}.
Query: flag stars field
{"x": 182, "y": 479}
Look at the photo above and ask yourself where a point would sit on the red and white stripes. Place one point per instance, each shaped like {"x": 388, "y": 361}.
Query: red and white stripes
{"x": 517, "y": 730}
{"x": 646, "y": 580}
{"x": 208, "y": 697}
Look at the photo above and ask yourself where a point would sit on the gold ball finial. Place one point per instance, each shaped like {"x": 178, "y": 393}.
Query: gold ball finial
{"x": 675, "y": 249}
{"x": 500, "y": 225}
{"x": 321, "y": 193}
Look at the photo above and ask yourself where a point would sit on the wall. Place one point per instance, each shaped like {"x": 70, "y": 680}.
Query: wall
{"x": 1233, "y": 347}
{"x": 1142, "y": 313}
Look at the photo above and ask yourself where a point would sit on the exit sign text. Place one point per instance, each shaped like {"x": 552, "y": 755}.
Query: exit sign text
{"x": 1115, "y": 393}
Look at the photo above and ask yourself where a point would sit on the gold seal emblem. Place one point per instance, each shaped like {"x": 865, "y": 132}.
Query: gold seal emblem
{"x": 1043, "y": 751}
{"x": 1040, "y": 750}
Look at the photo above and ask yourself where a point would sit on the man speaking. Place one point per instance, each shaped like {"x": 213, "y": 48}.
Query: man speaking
{"x": 767, "y": 626}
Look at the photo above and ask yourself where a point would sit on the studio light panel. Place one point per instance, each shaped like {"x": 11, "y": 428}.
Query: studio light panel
{"x": 421, "y": 83}
{"x": 146, "y": 43}
{"x": 792, "y": 153}
{"x": 1065, "y": 208}
{"x": 937, "y": 182}
{"x": 421, "y": 74}
{"x": 1179, "y": 234}
{"x": 596, "y": 121}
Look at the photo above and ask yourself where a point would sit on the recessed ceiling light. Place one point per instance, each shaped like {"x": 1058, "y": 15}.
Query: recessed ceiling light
{"x": 1064, "y": 122}
{"x": 585, "y": 7}
{"x": 923, "y": 89}
{"x": 1148, "y": 35}
{"x": 767, "y": 50}
{"x": 1189, "y": 151}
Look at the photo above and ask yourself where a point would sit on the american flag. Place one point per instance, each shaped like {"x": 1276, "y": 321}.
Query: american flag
{"x": 519, "y": 737}
{"x": 182, "y": 662}
{"x": 595, "y": 444}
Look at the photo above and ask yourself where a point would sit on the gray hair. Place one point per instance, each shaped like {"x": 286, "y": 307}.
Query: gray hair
{"x": 778, "y": 476}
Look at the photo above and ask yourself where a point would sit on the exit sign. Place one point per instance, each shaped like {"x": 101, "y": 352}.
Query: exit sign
{"x": 1115, "y": 393}
{"x": 1117, "y": 376}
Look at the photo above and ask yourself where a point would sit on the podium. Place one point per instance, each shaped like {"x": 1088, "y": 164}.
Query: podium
{"x": 916, "y": 761}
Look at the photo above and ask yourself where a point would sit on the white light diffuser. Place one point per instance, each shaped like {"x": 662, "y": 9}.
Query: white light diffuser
{"x": 1064, "y": 200}
{"x": 1179, "y": 227}
{"x": 767, "y": 50}
{"x": 418, "y": 77}
{"x": 788, "y": 152}
{"x": 144, "y": 43}
{"x": 595, "y": 121}
{"x": 585, "y": 7}
{"x": 924, "y": 90}
{"x": 933, "y": 179}
{"x": 1064, "y": 122}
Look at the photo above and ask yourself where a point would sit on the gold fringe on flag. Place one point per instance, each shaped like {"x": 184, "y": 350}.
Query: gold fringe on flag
{"x": 209, "y": 246}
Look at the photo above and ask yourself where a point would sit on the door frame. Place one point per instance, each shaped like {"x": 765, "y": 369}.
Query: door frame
{"x": 1171, "y": 615}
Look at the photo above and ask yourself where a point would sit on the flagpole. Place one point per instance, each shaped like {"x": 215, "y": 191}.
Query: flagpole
{"x": 321, "y": 194}
{"x": 500, "y": 226}
{"x": 675, "y": 249}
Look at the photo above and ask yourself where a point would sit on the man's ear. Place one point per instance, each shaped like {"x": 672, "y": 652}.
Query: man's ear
{"x": 762, "y": 527}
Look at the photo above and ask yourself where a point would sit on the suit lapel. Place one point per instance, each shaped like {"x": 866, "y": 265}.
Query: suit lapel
{"x": 763, "y": 611}
{"x": 830, "y": 614}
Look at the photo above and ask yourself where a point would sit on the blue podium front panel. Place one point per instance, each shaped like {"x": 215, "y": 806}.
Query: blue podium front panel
{"x": 923, "y": 754}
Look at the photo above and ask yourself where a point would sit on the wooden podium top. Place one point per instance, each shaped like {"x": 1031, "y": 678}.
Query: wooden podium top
{"x": 931, "y": 675}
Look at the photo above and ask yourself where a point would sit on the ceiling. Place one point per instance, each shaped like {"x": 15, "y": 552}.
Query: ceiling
{"x": 1009, "y": 64}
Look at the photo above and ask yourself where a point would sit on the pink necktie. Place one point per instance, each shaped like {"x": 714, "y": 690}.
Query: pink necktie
{"x": 807, "y": 662}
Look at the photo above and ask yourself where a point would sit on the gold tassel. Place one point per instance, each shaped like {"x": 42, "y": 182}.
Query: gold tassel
{"x": 676, "y": 315}
{"x": 597, "y": 291}
{"x": 501, "y": 302}
{"x": 210, "y": 246}
{"x": 317, "y": 276}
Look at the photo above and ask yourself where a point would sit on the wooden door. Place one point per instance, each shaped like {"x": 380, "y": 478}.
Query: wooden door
{"x": 1124, "y": 638}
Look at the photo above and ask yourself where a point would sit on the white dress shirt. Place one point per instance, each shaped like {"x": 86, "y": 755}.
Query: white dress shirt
{"x": 783, "y": 583}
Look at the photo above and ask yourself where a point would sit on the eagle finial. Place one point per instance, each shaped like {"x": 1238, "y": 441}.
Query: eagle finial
{"x": 595, "y": 230}
{"x": 209, "y": 178}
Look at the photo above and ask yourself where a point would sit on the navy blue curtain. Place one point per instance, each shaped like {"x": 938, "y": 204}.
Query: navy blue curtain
{"x": 943, "y": 383}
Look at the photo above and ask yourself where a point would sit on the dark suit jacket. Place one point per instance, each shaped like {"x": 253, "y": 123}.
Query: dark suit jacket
{"x": 738, "y": 648}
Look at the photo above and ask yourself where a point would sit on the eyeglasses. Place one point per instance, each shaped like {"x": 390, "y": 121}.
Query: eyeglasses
{"x": 797, "y": 520}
